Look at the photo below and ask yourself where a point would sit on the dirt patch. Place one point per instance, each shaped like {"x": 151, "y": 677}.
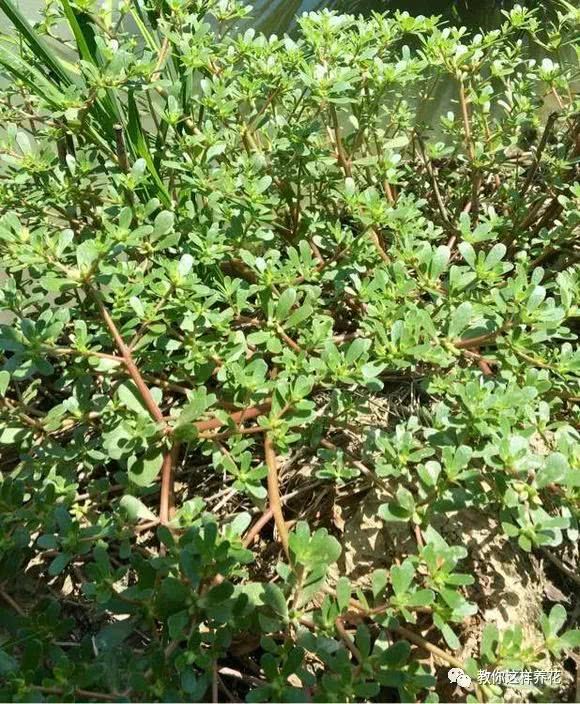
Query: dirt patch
{"x": 508, "y": 588}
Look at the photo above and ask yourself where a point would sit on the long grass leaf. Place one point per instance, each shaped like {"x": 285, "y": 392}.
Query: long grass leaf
{"x": 84, "y": 35}
{"x": 22, "y": 70}
{"x": 51, "y": 93}
{"x": 142, "y": 27}
{"x": 87, "y": 48}
{"x": 140, "y": 146}
{"x": 36, "y": 44}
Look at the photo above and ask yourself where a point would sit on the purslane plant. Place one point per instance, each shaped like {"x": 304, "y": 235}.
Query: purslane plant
{"x": 218, "y": 251}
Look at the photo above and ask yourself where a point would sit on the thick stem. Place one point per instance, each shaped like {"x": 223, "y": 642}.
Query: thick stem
{"x": 340, "y": 153}
{"x": 152, "y": 407}
{"x": 288, "y": 340}
{"x": 561, "y": 566}
{"x": 214, "y": 683}
{"x": 539, "y": 151}
{"x": 347, "y": 640}
{"x": 24, "y": 417}
{"x": 359, "y": 465}
{"x": 470, "y": 146}
{"x": 161, "y": 60}
{"x": 65, "y": 351}
{"x": 238, "y": 417}
{"x": 274, "y": 492}
{"x": 441, "y": 654}
{"x": 252, "y": 430}
{"x": 134, "y": 373}
{"x": 376, "y": 240}
{"x": 476, "y": 341}
{"x": 255, "y": 530}
{"x": 166, "y": 496}
{"x": 434, "y": 183}
{"x": 466, "y": 122}
{"x": 121, "y": 149}
{"x": 84, "y": 693}
{"x": 482, "y": 363}
{"x": 9, "y": 600}
{"x": 267, "y": 516}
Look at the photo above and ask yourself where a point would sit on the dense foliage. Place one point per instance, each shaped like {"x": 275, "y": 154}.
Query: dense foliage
{"x": 221, "y": 252}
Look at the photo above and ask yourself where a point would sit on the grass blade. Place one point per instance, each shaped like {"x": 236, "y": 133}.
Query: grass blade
{"x": 84, "y": 35}
{"x": 36, "y": 44}
{"x": 19, "y": 68}
{"x": 141, "y": 148}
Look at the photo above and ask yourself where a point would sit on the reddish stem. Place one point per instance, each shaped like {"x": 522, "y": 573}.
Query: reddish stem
{"x": 476, "y": 341}
{"x": 134, "y": 373}
{"x": 152, "y": 407}
{"x": 255, "y": 530}
{"x": 238, "y": 417}
{"x": 166, "y": 497}
{"x": 347, "y": 640}
{"x": 274, "y": 492}
{"x": 288, "y": 340}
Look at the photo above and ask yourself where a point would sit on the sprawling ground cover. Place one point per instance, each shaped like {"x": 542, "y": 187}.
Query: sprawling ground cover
{"x": 248, "y": 294}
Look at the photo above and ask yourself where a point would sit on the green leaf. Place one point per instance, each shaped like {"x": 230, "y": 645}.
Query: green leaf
{"x": 557, "y": 618}
{"x": 198, "y": 403}
{"x": 4, "y": 381}
{"x": 356, "y": 349}
{"x": 185, "y": 264}
{"x": 422, "y": 597}
{"x": 402, "y": 577}
{"x": 137, "y": 306}
{"x": 273, "y": 597}
{"x": 144, "y": 469}
{"x": 195, "y": 686}
{"x": 570, "y": 640}
{"x": 113, "y": 634}
{"x": 396, "y": 142}
{"x": 380, "y": 580}
{"x": 495, "y": 255}
{"x": 59, "y": 563}
{"x": 8, "y": 664}
{"x": 430, "y": 473}
{"x": 136, "y": 509}
{"x": 163, "y": 223}
{"x": 130, "y": 397}
{"x": 468, "y": 253}
{"x": 405, "y": 499}
{"x": 393, "y": 512}
{"x": 460, "y": 319}
{"x": 489, "y": 639}
{"x": 439, "y": 261}
{"x": 177, "y": 623}
{"x": 215, "y": 150}
{"x": 535, "y": 299}
{"x": 510, "y": 529}
{"x": 299, "y": 315}
{"x": 320, "y": 548}
{"x": 343, "y": 591}
{"x": 285, "y": 303}
{"x": 554, "y": 471}
{"x": 263, "y": 184}
{"x": 450, "y": 638}
{"x": 87, "y": 253}
{"x": 84, "y": 36}
{"x": 12, "y": 434}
